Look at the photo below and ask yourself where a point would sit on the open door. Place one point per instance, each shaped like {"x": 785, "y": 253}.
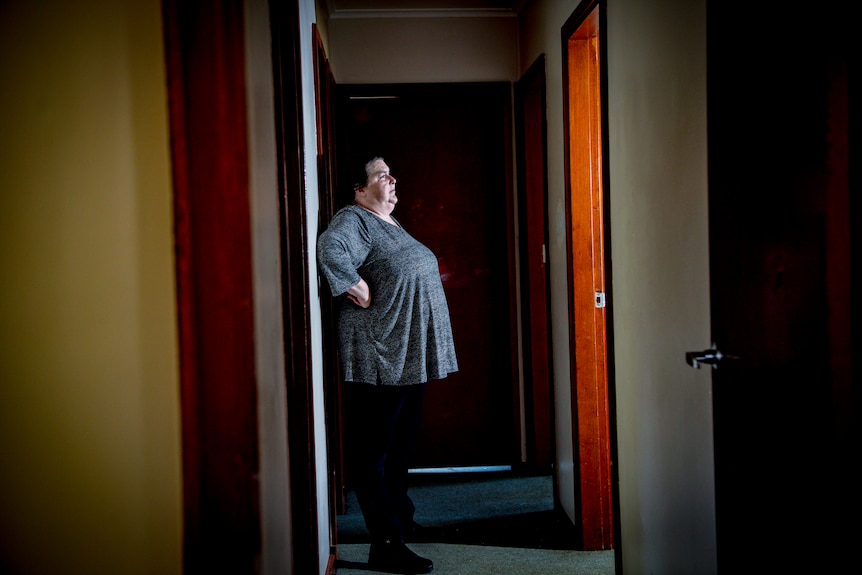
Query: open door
{"x": 780, "y": 217}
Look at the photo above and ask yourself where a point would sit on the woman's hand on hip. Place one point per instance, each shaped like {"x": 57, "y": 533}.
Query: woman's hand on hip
{"x": 360, "y": 294}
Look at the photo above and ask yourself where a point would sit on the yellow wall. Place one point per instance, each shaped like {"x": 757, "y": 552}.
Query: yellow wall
{"x": 90, "y": 476}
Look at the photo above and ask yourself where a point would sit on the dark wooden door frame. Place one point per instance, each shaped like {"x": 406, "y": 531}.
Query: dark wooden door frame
{"x": 205, "y": 62}
{"x": 531, "y": 138}
{"x": 284, "y": 18}
{"x": 204, "y": 47}
{"x": 332, "y": 385}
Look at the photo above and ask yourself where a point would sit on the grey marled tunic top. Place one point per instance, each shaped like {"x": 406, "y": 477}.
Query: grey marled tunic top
{"x": 404, "y": 337}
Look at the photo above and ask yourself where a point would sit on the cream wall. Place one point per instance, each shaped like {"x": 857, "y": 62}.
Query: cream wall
{"x": 540, "y": 34}
{"x": 90, "y": 480}
{"x": 656, "y": 55}
{"x": 417, "y": 49}
{"x": 659, "y": 215}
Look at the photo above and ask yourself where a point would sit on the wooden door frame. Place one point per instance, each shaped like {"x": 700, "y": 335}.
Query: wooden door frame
{"x": 206, "y": 90}
{"x": 206, "y": 76}
{"x": 531, "y": 143}
{"x": 285, "y": 29}
{"x": 332, "y": 384}
{"x": 588, "y": 251}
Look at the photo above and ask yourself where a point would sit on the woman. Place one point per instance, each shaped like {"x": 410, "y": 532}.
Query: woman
{"x": 394, "y": 335}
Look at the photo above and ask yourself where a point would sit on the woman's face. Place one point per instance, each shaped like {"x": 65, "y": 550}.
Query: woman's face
{"x": 378, "y": 195}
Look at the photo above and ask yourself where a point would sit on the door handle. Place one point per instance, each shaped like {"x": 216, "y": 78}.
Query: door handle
{"x": 708, "y": 356}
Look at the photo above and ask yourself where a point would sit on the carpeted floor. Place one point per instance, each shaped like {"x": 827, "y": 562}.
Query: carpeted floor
{"x": 484, "y": 524}
{"x": 483, "y": 560}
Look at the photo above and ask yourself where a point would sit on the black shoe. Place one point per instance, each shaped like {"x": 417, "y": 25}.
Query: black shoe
{"x": 392, "y": 557}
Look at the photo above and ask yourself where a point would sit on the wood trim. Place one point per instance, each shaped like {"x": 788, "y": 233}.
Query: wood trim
{"x": 331, "y": 564}
{"x": 332, "y": 384}
{"x": 584, "y": 141}
{"x": 531, "y": 133}
{"x": 610, "y": 366}
{"x": 284, "y": 18}
{"x": 511, "y": 226}
{"x": 204, "y": 45}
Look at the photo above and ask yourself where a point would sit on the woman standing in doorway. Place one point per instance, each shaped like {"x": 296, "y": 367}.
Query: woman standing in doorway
{"x": 394, "y": 335}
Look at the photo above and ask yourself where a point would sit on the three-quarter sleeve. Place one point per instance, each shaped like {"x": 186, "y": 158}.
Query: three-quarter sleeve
{"x": 405, "y": 336}
{"x": 341, "y": 249}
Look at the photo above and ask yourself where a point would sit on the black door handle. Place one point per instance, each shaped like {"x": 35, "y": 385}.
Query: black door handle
{"x": 708, "y": 356}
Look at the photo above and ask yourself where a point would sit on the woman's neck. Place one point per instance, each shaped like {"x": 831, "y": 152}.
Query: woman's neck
{"x": 385, "y": 217}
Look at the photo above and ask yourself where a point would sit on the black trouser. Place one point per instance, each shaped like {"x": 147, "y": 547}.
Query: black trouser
{"x": 381, "y": 422}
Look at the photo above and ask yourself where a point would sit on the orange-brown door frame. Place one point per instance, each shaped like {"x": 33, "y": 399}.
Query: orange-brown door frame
{"x": 588, "y": 297}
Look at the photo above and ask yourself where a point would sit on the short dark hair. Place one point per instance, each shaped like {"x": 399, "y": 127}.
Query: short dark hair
{"x": 364, "y": 172}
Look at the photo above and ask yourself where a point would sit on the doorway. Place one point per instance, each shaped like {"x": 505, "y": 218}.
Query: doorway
{"x": 588, "y": 293}
{"x": 449, "y": 146}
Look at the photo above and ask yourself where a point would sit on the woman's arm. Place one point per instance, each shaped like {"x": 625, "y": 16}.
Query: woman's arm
{"x": 360, "y": 294}
{"x": 341, "y": 249}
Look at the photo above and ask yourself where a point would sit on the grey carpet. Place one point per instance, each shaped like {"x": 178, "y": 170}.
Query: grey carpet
{"x": 484, "y": 560}
{"x": 481, "y": 524}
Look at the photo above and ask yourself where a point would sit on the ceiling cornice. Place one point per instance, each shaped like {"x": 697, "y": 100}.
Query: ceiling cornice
{"x": 445, "y": 13}
{"x": 427, "y": 10}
